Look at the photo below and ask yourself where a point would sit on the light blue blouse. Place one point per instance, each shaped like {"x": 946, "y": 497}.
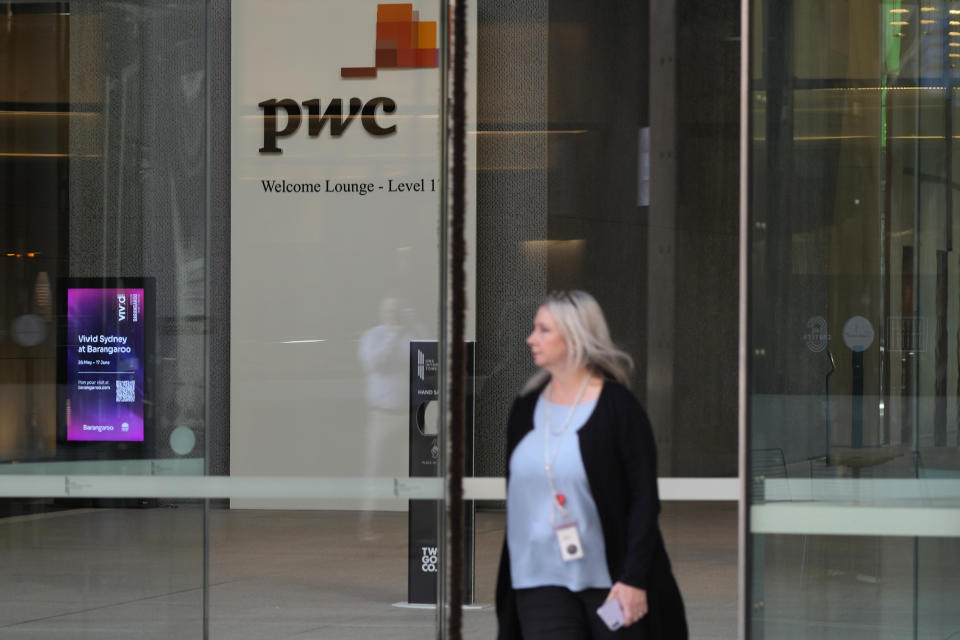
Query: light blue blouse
{"x": 535, "y": 559}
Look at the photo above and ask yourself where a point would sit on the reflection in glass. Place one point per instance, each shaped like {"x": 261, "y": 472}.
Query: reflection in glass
{"x": 854, "y": 318}
{"x": 103, "y": 175}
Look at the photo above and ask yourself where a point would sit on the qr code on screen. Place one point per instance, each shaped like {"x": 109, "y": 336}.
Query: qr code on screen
{"x": 126, "y": 390}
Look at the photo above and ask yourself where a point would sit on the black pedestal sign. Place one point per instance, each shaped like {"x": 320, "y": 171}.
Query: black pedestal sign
{"x": 424, "y": 462}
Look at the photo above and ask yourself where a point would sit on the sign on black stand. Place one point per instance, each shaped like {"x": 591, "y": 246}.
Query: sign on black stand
{"x": 423, "y": 561}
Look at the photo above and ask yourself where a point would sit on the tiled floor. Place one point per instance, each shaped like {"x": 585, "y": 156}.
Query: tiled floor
{"x": 111, "y": 574}
{"x": 122, "y": 573}
{"x": 329, "y": 583}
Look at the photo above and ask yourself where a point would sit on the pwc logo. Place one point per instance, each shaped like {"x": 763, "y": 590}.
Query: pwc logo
{"x": 402, "y": 42}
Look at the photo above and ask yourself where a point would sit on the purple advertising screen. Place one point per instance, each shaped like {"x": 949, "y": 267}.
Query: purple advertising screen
{"x": 105, "y": 353}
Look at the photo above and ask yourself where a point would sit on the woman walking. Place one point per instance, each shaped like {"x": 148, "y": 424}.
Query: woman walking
{"x": 582, "y": 503}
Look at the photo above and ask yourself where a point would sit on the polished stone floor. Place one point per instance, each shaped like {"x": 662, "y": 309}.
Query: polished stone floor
{"x": 119, "y": 573}
{"x": 136, "y": 573}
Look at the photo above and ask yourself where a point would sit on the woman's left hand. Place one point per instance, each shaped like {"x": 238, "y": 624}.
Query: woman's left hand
{"x": 633, "y": 601}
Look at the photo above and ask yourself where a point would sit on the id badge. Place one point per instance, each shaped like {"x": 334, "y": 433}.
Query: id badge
{"x": 568, "y": 535}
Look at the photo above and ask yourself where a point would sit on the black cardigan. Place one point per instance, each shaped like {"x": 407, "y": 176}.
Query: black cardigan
{"x": 619, "y": 455}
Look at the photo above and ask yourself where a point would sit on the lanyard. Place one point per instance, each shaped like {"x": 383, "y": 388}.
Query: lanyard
{"x": 559, "y": 500}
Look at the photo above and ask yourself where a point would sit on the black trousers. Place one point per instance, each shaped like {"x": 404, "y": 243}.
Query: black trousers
{"x": 556, "y": 613}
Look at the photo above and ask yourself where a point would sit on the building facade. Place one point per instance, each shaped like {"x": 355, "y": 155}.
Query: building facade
{"x": 759, "y": 194}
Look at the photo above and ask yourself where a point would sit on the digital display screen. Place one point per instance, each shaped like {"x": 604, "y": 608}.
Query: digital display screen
{"x": 105, "y": 354}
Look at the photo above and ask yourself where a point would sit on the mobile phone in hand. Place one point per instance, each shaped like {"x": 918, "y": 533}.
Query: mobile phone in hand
{"x": 612, "y": 614}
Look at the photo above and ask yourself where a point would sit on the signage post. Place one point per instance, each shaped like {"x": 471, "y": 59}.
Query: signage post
{"x": 424, "y": 455}
{"x": 858, "y": 336}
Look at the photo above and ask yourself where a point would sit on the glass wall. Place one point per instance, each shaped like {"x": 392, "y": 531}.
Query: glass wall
{"x": 103, "y": 296}
{"x": 854, "y": 319}
{"x": 219, "y": 380}
{"x": 607, "y": 161}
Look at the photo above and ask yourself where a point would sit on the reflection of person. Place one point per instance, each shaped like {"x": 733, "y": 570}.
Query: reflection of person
{"x": 384, "y": 353}
{"x": 582, "y": 501}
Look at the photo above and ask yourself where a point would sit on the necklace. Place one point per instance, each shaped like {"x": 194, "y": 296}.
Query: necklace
{"x": 559, "y": 500}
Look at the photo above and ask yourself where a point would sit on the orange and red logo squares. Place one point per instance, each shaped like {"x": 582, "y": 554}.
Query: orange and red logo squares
{"x": 403, "y": 42}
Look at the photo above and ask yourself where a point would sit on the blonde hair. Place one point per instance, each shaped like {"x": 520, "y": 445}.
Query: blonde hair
{"x": 584, "y": 329}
